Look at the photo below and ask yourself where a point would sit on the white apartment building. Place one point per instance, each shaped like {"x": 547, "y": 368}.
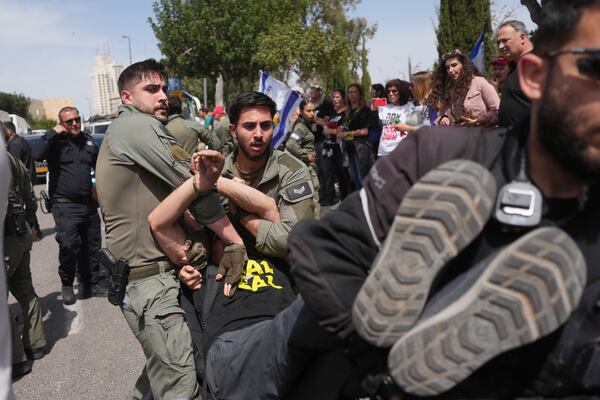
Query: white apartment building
{"x": 105, "y": 94}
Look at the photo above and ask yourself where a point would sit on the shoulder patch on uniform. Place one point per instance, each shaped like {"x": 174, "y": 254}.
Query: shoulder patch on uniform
{"x": 295, "y": 136}
{"x": 298, "y": 191}
{"x": 291, "y": 162}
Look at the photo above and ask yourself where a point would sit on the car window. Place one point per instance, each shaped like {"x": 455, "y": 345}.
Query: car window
{"x": 100, "y": 128}
{"x": 34, "y": 141}
{"x": 98, "y": 139}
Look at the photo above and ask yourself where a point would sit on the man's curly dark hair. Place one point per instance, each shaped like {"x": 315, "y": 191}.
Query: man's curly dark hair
{"x": 448, "y": 93}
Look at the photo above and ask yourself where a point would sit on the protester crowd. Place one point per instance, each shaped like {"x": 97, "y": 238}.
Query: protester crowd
{"x": 238, "y": 285}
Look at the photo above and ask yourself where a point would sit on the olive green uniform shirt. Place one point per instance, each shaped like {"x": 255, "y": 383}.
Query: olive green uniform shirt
{"x": 139, "y": 164}
{"x": 288, "y": 182}
{"x": 188, "y": 133}
{"x": 221, "y": 129}
{"x": 301, "y": 143}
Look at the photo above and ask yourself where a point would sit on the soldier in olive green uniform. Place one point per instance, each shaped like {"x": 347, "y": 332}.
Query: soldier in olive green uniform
{"x": 234, "y": 324}
{"x": 221, "y": 130}
{"x": 138, "y": 166}
{"x": 17, "y": 245}
{"x": 189, "y": 132}
{"x": 288, "y": 182}
{"x": 301, "y": 143}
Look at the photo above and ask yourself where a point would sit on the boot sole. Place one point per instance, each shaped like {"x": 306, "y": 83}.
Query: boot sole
{"x": 439, "y": 216}
{"x": 527, "y": 291}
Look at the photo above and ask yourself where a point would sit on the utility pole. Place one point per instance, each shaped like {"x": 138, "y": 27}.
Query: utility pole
{"x": 129, "y": 43}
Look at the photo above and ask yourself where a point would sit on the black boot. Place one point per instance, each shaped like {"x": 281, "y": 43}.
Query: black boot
{"x": 68, "y": 295}
{"x": 21, "y": 369}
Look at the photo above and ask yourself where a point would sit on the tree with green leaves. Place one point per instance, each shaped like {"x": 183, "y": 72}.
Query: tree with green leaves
{"x": 42, "y": 123}
{"x": 461, "y": 22}
{"x": 312, "y": 38}
{"x": 14, "y": 103}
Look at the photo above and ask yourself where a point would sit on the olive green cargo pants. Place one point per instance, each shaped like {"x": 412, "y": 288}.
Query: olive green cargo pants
{"x": 315, "y": 181}
{"x": 18, "y": 278}
{"x": 151, "y": 308}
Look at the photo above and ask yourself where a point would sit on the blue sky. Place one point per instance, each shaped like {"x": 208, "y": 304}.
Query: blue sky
{"x": 48, "y": 46}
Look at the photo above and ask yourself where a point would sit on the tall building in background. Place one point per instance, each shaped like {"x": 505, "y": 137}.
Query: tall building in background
{"x": 105, "y": 93}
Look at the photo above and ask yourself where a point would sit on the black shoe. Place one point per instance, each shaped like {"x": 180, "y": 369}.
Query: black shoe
{"x": 510, "y": 299}
{"x": 21, "y": 369}
{"x": 439, "y": 216}
{"x": 37, "y": 353}
{"x": 68, "y": 295}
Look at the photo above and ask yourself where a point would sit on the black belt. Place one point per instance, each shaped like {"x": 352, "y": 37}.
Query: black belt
{"x": 64, "y": 200}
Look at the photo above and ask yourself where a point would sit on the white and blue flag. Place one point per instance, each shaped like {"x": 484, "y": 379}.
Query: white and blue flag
{"x": 287, "y": 101}
{"x": 477, "y": 54}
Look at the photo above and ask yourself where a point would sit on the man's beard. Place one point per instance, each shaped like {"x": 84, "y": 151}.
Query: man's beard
{"x": 556, "y": 124}
{"x": 255, "y": 157}
{"x": 162, "y": 118}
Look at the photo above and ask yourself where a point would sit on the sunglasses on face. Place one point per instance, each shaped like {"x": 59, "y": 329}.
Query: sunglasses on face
{"x": 588, "y": 66}
{"x": 76, "y": 120}
{"x": 392, "y": 91}
{"x": 264, "y": 125}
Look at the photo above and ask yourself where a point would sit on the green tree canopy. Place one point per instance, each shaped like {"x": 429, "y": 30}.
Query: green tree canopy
{"x": 14, "y": 103}
{"x": 312, "y": 38}
{"x": 42, "y": 123}
{"x": 461, "y": 22}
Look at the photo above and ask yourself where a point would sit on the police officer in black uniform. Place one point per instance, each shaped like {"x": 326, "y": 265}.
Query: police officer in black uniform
{"x": 71, "y": 155}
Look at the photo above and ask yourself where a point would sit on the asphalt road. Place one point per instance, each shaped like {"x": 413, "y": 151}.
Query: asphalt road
{"x": 93, "y": 353}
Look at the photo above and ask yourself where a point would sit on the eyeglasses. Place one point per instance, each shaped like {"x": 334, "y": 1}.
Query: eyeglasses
{"x": 587, "y": 66}
{"x": 392, "y": 90}
{"x": 70, "y": 121}
{"x": 453, "y": 53}
{"x": 264, "y": 125}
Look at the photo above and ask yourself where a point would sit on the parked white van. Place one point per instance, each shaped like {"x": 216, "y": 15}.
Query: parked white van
{"x": 21, "y": 126}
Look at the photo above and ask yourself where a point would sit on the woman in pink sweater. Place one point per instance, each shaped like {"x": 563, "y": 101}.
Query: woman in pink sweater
{"x": 461, "y": 96}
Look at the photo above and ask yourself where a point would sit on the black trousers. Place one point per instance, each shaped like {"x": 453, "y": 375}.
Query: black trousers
{"x": 326, "y": 188}
{"x": 334, "y": 170}
{"x": 78, "y": 236}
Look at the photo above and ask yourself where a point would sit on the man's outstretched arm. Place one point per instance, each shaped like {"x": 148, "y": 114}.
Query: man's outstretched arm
{"x": 249, "y": 199}
{"x": 171, "y": 237}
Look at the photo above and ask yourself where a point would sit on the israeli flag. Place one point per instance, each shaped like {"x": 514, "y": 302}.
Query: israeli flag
{"x": 477, "y": 54}
{"x": 287, "y": 101}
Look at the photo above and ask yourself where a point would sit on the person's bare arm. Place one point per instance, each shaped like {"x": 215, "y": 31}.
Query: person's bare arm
{"x": 249, "y": 199}
{"x": 171, "y": 237}
{"x": 163, "y": 222}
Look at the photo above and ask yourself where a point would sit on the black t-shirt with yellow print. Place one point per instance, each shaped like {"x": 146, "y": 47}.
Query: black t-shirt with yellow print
{"x": 264, "y": 290}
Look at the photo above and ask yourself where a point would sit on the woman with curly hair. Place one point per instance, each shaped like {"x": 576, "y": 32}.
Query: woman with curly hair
{"x": 461, "y": 96}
